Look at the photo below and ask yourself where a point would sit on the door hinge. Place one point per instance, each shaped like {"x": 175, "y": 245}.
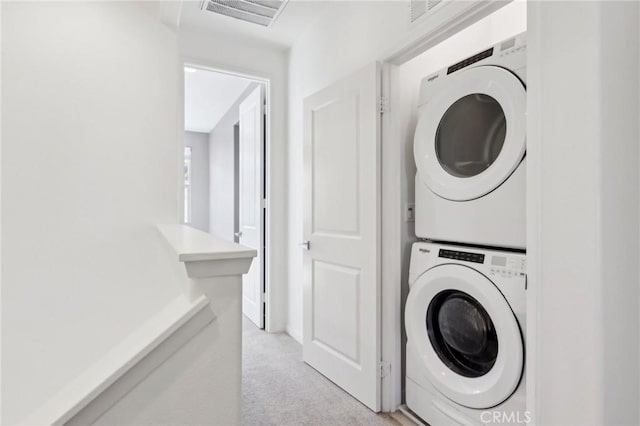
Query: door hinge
{"x": 383, "y": 104}
{"x": 384, "y": 368}
{"x": 263, "y": 203}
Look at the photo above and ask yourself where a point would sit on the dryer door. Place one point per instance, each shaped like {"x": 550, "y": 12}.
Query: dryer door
{"x": 471, "y": 134}
{"x": 465, "y": 335}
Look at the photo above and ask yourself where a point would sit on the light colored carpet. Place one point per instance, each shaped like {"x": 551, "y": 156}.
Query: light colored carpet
{"x": 279, "y": 389}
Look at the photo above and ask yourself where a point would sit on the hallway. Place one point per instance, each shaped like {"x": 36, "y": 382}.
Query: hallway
{"x": 279, "y": 389}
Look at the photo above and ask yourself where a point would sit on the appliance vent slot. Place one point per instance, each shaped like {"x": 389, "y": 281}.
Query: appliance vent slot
{"x": 419, "y": 8}
{"x": 472, "y": 60}
{"x": 261, "y": 12}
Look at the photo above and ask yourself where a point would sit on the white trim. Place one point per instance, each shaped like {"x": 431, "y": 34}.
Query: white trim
{"x": 1, "y": 316}
{"x": 171, "y": 13}
{"x": 295, "y": 336}
{"x": 187, "y": 187}
{"x": 130, "y": 358}
{"x": 391, "y": 254}
{"x": 440, "y": 25}
{"x": 266, "y": 80}
{"x": 193, "y": 245}
{"x": 450, "y": 20}
{"x": 534, "y": 207}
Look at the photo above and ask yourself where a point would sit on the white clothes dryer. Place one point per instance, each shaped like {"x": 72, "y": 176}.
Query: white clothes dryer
{"x": 465, "y": 320}
{"x": 469, "y": 149}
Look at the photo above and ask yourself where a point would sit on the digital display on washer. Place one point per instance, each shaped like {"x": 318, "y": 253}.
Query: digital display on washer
{"x": 461, "y": 255}
{"x": 499, "y": 261}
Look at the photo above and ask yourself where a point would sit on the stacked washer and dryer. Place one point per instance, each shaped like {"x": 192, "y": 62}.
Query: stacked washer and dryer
{"x": 465, "y": 313}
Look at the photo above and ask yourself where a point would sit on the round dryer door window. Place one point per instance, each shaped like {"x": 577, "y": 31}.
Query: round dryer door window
{"x": 471, "y": 133}
{"x": 465, "y": 335}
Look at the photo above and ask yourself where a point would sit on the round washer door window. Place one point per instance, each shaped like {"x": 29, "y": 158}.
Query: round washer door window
{"x": 465, "y": 335}
{"x": 471, "y": 133}
{"x": 462, "y": 333}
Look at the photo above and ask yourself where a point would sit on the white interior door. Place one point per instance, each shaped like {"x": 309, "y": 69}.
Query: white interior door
{"x": 341, "y": 233}
{"x": 251, "y": 213}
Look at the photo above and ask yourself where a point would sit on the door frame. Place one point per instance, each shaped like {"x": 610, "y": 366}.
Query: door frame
{"x": 236, "y": 180}
{"x": 269, "y": 323}
{"x": 395, "y": 249}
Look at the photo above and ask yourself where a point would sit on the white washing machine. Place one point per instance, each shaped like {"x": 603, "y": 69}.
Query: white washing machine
{"x": 469, "y": 149}
{"x": 465, "y": 321}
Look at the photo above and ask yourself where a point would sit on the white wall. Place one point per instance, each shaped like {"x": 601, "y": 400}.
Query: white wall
{"x": 90, "y": 163}
{"x": 222, "y": 165}
{"x": 264, "y": 61}
{"x": 199, "y": 143}
{"x": 583, "y": 205}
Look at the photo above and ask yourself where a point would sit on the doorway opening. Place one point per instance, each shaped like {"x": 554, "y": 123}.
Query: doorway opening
{"x": 224, "y": 189}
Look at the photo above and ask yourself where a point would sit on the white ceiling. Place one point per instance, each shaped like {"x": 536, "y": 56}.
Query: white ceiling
{"x": 208, "y": 96}
{"x": 295, "y": 18}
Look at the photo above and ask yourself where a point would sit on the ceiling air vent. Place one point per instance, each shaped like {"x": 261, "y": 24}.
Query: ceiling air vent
{"x": 261, "y": 12}
{"x": 419, "y": 8}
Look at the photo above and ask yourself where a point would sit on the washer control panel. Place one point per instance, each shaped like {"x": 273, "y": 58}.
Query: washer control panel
{"x": 494, "y": 264}
{"x": 512, "y": 46}
{"x": 507, "y": 266}
{"x": 461, "y": 255}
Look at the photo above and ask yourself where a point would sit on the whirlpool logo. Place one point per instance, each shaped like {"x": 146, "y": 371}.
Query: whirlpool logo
{"x": 505, "y": 417}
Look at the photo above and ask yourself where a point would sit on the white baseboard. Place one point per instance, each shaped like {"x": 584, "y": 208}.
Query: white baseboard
{"x": 295, "y": 335}
{"x": 108, "y": 380}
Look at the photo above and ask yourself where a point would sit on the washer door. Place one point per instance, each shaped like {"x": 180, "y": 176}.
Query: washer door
{"x": 471, "y": 135}
{"x": 466, "y": 336}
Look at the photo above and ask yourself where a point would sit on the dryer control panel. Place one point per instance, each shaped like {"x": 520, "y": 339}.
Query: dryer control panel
{"x": 509, "y": 54}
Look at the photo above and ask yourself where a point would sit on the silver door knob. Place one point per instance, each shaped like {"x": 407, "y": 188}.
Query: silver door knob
{"x": 238, "y": 234}
{"x": 305, "y": 245}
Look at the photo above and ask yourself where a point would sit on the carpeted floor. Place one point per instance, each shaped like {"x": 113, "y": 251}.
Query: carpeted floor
{"x": 279, "y": 389}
